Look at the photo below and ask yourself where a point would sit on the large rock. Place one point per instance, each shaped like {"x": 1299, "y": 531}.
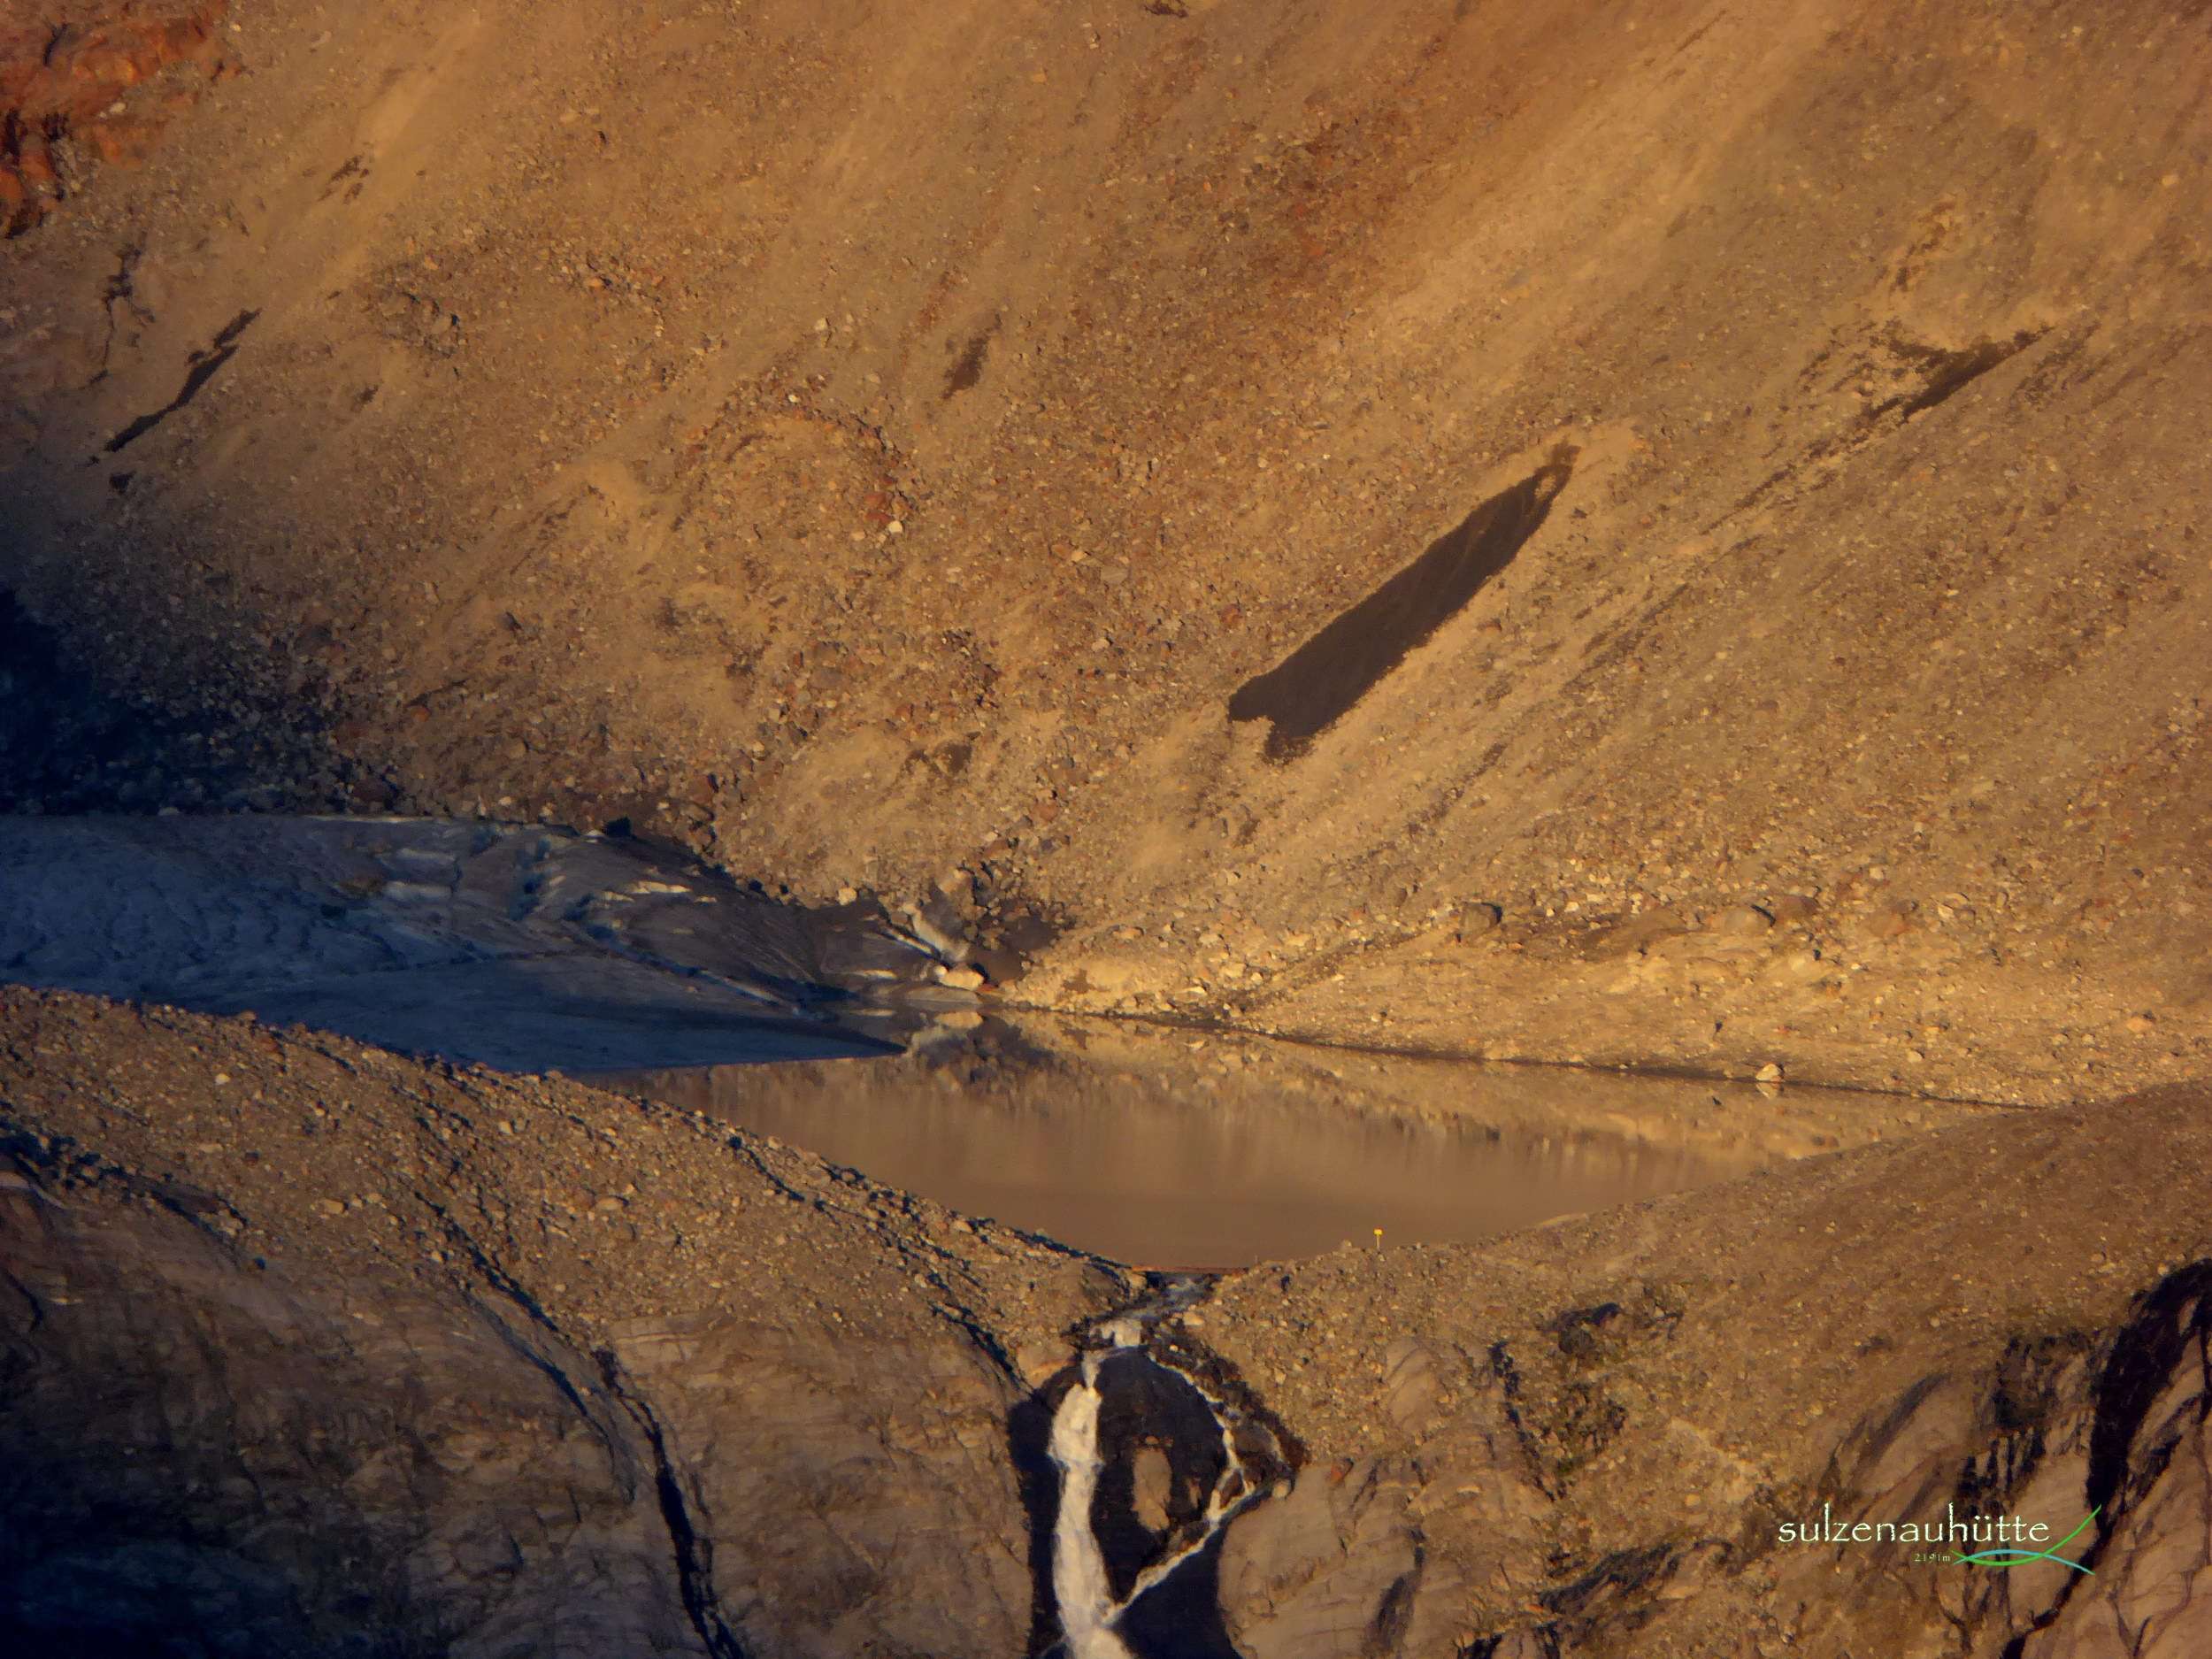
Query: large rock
{"x": 1327, "y": 1570}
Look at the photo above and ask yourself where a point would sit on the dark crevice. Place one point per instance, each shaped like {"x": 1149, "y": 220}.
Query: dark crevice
{"x": 2142, "y": 1362}
{"x": 967, "y": 370}
{"x": 694, "y": 1548}
{"x": 1028, "y": 1441}
{"x": 1622, "y": 1571}
{"x": 693, "y": 1552}
{"x": 117, "y": 290}
{"x": 1394, "y": 1616}
{"x": 2138, "y": 1369}
{"x": 499, "y": 1280}
{"x": 1508, "y": 1374}
{"x": 205, "y": 367}
{"x": 1950, "y": 372}
{"x": 1318, "y": 683}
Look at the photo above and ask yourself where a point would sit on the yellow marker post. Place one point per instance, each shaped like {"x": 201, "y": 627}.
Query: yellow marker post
{"x": 1378, "y": 1238}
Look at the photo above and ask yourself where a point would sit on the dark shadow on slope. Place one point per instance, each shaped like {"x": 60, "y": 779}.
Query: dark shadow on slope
{"x": 1028, "y": 1446}
{"x": 69, "y": 743}
{"x": 1319, "y": 682}
{"x": 201, "y": 367}
{"x": 1950, "y": 372}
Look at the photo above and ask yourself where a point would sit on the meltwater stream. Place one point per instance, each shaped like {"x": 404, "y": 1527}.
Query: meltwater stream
{"x": 1182, "y": 1151}
{"x": 1087, "y": 1608}
{"x": 1100, "y": 1591}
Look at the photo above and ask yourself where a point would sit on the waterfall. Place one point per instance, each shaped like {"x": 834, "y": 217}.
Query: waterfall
{"x": 1078, "y": 1566}
{"x": 1080, "y": 1585}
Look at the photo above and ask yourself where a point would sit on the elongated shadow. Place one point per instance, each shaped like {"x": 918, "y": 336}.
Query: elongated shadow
{"x": 1028, "y": 1439}
{"x": 1317, "y": 684}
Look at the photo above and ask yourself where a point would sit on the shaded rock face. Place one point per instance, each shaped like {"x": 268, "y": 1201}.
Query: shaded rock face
{"x": 2063, "y": 1428}
{"x": 1328, "y": 1569}
{"x": 203, "y": 1456}
{"x": 2149, "y": 1464}
{"x": 201, "y": 1459}
{"x": 2065, "y": 1431}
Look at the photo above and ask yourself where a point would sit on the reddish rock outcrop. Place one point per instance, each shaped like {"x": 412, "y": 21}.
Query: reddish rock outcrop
{"x": 72, "y": 80}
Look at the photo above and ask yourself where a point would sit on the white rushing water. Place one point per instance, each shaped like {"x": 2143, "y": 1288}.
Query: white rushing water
{"x": 1080, "y": 1585}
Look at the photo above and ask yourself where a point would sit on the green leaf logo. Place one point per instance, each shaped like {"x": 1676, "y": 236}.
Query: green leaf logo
{"x": 2022, "y": 1557}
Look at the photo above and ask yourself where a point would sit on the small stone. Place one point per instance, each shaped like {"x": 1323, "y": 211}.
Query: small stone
{"x": 1039, "y": 1362}
{"x": 1743, "y": 920}
{"x": 1793, "y": 908}
{"x": 329, "y": 1207}
{"x": 958, "y": 978}
{"x": 2141, "y": 1024}
{"x": 1151, "y": 1483}
{"x": 1478, "y": 919}
{"x": 847, "y": 895}
{"x": 1769, "y": 1073}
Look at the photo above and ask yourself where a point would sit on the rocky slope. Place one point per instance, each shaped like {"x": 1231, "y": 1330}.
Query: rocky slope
{"x": 308, "y": 1346}
{"x": 1521, "y": 531}
{"x": 865, "y": 441}
{"x": 309, "y": 1349}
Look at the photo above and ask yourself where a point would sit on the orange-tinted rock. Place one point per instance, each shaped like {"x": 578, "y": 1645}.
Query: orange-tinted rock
{"x": 121, "y": 141}
{"x": 62, "y": 85}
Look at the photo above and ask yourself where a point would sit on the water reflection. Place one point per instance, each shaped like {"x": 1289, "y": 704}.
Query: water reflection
{"x": 1137, "y": 1145}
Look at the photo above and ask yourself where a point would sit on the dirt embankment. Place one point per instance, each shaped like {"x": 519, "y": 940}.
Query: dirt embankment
{"x": 865, "y": 441}
{"x": 306, "y": 1346}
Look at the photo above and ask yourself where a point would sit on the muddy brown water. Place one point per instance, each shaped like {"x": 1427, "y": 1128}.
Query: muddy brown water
{"x": 1200, "y": 1172}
